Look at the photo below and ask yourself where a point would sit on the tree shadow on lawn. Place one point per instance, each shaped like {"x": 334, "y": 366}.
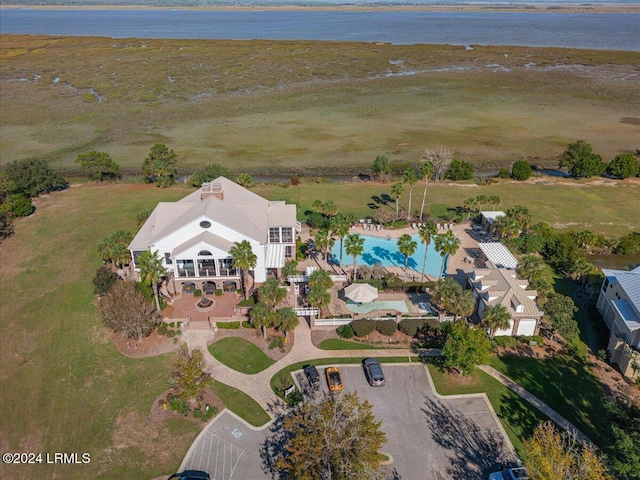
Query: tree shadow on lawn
{"x": 474, "y": 452}
{"x": 566, "y": 384}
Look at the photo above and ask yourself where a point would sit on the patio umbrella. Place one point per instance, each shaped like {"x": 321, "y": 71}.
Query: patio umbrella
{"x": 361, "y": 292}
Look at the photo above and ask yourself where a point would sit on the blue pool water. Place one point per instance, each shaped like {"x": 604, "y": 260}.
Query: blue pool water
{"x": 385, "y": 252}
{"x": 369, "y": 307}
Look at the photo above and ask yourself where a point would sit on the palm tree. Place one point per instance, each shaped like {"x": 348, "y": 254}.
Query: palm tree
{"x": 427, "y": 232}
{"x": 426, "y": 172}
{"x": 463, "y": 305}
{"x": 329, "y": 209}
{"x": 115, "y": 248}
{"x": 151, "y": 271}
{"x": 340, "y": 227}
{"x": 271, "y": 292}
{"x": 318, "y": 297}
{"x": 354, "y": 246}
{"x": 324, "y": 242}
{"x": 244, "y": 259}
{"x": 446, "y": 244}
{"x": 411, "y": 177}
{"x": 495, "y": 317}
{"x": 481, "y": 200}
{"x": 495, "y": 201}
{"x": 245, "y": 180}
{"x": 396, "y": 191}
{"x": 261, "y": 317}
{"x": 470, "y": 205}
{"x": 286, "y": 320}
{"x": 520, "y": 216}
{"x": 320, "y": 279}
{"x": 407, "y": 247}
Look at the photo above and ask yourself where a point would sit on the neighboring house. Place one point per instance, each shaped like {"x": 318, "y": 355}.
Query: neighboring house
{"x": 619, "y": 304}
{"x": 492, "y": 285}
{"x": 193, "y": 236}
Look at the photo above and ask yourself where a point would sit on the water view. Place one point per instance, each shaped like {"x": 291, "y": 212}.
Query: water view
{"x": 610, "y": 31}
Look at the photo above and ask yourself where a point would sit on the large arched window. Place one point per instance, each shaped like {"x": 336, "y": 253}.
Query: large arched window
{"x": 205, "y": 253}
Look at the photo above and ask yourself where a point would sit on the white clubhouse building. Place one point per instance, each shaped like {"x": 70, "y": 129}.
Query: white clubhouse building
{"x": 193, "y": 236}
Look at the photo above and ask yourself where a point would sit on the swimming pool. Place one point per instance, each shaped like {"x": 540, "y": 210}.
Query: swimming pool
{"x": 384, "y": 250}
{"x": 398, "y": 305}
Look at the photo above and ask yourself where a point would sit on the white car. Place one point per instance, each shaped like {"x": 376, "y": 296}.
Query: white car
{"x": 510, "y": 474}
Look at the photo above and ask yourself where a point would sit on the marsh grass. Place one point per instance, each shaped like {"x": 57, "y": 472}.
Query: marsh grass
{"x": 278, "y": 105}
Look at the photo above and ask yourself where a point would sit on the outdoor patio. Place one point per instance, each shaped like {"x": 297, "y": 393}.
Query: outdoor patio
{"x": 186, "y": 306}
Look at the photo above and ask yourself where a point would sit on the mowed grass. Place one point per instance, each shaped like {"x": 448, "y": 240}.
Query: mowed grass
{"x": 518, "y": 417}
{"x": 64, "y": 386}
{"x": 240, "y": 354}
{"x": 241, "y": 404}
{"x": 339, "y": 344}
{"x": 565, "y": 383}
{"x": 604, "y": 206}
{"x": 291, "y": 106}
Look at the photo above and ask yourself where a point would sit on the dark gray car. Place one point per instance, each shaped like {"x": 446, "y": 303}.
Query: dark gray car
{"x": 313, "y": 377}
{"x": 373, "y": 372}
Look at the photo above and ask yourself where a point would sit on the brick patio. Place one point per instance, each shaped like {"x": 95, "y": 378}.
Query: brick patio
{"x": 185, "y": 306}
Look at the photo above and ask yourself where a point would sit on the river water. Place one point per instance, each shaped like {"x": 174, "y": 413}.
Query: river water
{"x": 609, "y": 31}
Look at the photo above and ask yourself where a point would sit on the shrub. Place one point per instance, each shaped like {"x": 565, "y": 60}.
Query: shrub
{"x": 387, "y": 327}
{"x": 218, "y": 292}
{"x": 205, "y": 414}
{"x": 208, "y": 173}
{"x": 345, "y": 331}
{"x": 178, "y": 332}
{"x": 363, "y": 327}
{"x": 197, "y": 292}
{"x": 295, "y": 180}
{"x": 21, "y": 206}
{"x": 521, "y": 170}
{"x": 459, "y": 170}
{"x": 276, "y": 342}
{"x": 103, "y": 280}
{"x": 179, "y": 406}
{"x": 505, "y": 341}
{"x": 162, "y": 329}
{"x": 228, "y": 325}
{"x": 171, "y": 333}
{"x": 504, "y": 173}
{"x": 411, "y": 326}
{"x": 247, "y": 324}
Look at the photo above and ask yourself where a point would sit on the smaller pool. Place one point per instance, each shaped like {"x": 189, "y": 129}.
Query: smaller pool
{"x": 369, "y": 307}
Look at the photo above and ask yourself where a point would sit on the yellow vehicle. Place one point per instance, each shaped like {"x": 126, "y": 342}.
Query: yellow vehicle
{"x": 333, "y": 379}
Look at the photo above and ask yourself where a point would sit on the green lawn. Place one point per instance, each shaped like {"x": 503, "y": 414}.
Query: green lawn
{"x": 518, "y": 417}
{"x": 339, "y": 344}
{"x": 565, "y": 383}
{"x": 241, "y": 404}
{"x": 240, "y": 354}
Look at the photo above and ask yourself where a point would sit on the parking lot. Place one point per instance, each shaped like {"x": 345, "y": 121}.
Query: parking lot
{"x": 427, "y": 437}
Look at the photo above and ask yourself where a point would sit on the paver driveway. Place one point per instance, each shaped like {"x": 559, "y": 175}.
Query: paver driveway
{"x": 428, "y": 437}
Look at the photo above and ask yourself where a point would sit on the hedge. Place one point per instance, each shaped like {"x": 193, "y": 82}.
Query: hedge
{"x": 228, "y": 325}
{"x": 387, "y": 327}
{"x": 363, "y": 327}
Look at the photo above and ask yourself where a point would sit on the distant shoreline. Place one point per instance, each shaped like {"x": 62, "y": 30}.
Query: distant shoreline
{"x": 497, "y": 7}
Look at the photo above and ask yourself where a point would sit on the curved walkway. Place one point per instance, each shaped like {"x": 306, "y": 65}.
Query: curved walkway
{"x": 539, "y": 404}
{"x": 258, "y": 385}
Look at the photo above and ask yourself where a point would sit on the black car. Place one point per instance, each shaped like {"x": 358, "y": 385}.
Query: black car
{"x": 313, "y": 377}
{"x": 373, "y": 372}
{"x": 191, "y": 475}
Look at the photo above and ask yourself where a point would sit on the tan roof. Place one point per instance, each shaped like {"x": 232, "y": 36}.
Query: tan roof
{"x": 238, "y": 208}
{"x": 509, "y": 291}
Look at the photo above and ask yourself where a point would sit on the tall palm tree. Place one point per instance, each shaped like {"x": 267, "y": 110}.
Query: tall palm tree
{"x": 261, "y": 316}
{"x": 340, "y": 227}
{"x": 427, "y": 231}
{"x": 329, "y": 209}
{"x": 271, "y": 293}
{"x": 426, "y": 172}
{"x": 245, "y": 260}
{"x": 481, "y": 200}
{"x": 396, "y": 191}
{"x": 324, "y": 241}
{"x": 354, "y": 246}
{"x": 286, "y": 320}
{"x": 151, "y": 272}
{"x": 470, "y": 205}
{"x": 407, "y": 247}
{"x": 410, "y": 177}
{"x": 495, "y": 201}
{"x": 446, "y": 244}
{"x": 463, "y": 305}
{"x": 495, "y": 317}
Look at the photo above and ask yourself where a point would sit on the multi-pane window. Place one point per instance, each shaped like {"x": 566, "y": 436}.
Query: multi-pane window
{"x": 167, "y": 258}
{"x": 274, "y": 235}
{"x": 280, "y": 234}
{"x": 288, "y": 252}
{"x": 287, "y": 235}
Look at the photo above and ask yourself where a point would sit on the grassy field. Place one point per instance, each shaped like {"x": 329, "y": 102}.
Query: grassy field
{"x": 290, "y": 106}
{"x": 241, "y": 404}
{"x": 64, "y": 386}
{"x": 339, "y": 344}
{"x": 241, "y": 355}
{"x": 612, "y": 206}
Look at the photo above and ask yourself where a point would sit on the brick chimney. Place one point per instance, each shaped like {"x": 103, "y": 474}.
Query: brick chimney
{"x": 210, "y": 189}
